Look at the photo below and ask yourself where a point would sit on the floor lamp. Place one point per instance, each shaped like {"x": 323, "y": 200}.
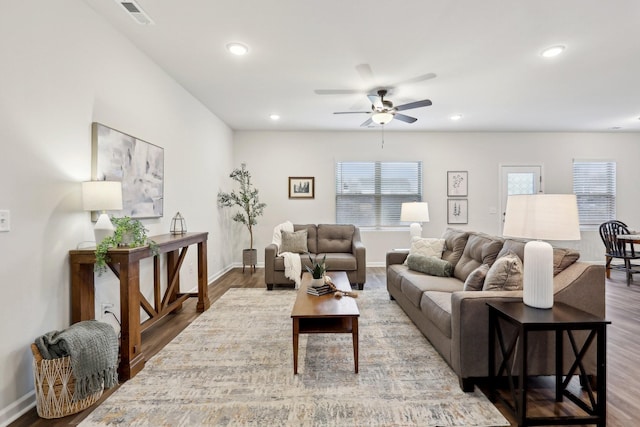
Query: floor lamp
{"x": 416, "y": 213}
{"x": 540, "y": 217}
{"x": 102, "y": 196}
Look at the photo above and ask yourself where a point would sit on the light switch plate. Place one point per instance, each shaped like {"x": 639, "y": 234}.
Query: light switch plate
{"x": 5, "y": 220}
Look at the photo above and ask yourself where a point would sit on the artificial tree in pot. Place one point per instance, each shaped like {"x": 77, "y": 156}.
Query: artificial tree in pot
{"x": 246, "y": 198}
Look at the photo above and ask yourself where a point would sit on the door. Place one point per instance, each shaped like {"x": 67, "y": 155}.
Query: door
{"x": 526, "y": 179}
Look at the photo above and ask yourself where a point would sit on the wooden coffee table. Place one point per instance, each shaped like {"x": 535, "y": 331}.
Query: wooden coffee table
{"x": 325, "y": 314}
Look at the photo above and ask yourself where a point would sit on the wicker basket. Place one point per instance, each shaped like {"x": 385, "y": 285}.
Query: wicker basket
{"x": 55, "y": 384}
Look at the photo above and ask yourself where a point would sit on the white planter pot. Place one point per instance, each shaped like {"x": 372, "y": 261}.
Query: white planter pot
{"x": 316, "y": 283}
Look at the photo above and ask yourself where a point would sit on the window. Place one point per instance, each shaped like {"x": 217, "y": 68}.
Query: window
{"x": 370, "y": 194}
{"x": 594, "y": 184}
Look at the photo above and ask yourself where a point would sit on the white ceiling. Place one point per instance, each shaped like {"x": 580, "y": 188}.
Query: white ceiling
{"x": 485, "y": 54}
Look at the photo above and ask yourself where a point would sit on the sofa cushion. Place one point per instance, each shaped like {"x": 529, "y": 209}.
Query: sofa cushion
{"x": 312, "y": 235}
{"x": 414, "y": 283}
{"x": 294, "y": 241}
{"x": 436, "y": 306}
{"x": 505, "y": 274}
{"x": 480, "y": 249}
{"x": 454, "y": 243}
{"x": 339, "y": 261}
{"x": 475, "y": 280}
{"x": 335, "y": 237}
{"x": 429, "y": 265}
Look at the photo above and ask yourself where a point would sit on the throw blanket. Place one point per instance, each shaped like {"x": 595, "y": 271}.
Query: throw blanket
{"x": 93, "y": 349}
{"x": 292, "y": 263}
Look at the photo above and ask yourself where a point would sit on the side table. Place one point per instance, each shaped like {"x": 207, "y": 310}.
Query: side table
{"x": 561, "y": 318}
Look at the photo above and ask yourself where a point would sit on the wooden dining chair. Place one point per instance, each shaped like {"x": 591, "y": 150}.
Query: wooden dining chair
{"x": 616, "y": 248}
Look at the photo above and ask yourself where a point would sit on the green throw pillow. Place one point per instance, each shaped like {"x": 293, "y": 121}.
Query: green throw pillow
{"x": 430, "y": 265}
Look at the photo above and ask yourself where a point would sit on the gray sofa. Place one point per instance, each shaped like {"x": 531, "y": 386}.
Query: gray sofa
{"x": 339, "y": 242}
{"x": 456, "y": 321}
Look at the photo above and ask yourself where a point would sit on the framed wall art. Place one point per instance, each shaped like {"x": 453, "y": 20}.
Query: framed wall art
{"x": 457, "y": 183}
{"x": 139, "y": 165}
{"x": 301, "y": 187}
{"x": 457, "y": 211}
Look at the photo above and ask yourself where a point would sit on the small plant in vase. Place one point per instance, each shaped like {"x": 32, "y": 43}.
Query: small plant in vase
{"x": 128, "y": 232}
{"x": 317, "y": 271}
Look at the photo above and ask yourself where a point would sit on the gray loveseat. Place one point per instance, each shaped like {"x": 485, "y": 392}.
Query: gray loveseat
{"x": 456, "y": 322}
{"x": 339, "y": 242}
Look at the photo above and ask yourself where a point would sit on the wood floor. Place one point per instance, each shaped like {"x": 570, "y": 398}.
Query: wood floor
{"x": 623, "y": 309}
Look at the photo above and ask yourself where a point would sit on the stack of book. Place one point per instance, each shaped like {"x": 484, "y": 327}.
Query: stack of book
{"x": 322, "y": 290}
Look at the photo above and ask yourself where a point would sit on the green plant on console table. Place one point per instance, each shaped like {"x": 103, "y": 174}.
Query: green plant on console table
{"x": 128, "y": 232}
{"x": 317, "y": 269}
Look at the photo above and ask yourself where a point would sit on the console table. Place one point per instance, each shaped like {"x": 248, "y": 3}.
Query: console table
{"x": 561, "y": 318}
{"x": 125, "y": 264}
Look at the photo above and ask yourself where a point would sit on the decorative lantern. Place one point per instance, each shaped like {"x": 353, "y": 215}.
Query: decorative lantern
{"x": 178, "y": 224}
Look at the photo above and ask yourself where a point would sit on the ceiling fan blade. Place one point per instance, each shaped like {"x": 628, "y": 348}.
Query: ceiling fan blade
{"x": 375, "y": 101}
{"x": 410, "y": 105}
{"x": 402, "y": 117}
{"x": 416, "y": 79}
{"x": 336, "y": 91}
{"x": 365, "y": 72}
{"x": 352, "y": 112}
{"x": 367, "y": 122}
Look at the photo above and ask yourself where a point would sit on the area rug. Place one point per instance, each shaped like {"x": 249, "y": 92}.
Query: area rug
{"x": 233, "y": 366}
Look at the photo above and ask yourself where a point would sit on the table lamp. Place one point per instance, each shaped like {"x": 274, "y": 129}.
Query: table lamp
{"x": 102, "y": 196}
{"x": 540, "y": 217}
{"x": 416, "y": 212}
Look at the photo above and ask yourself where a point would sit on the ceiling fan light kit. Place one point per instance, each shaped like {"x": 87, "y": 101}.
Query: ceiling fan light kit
{"x": 382, "y": 118}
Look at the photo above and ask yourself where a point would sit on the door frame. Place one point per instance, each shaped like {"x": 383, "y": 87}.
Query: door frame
{"x": 502, "y": 198}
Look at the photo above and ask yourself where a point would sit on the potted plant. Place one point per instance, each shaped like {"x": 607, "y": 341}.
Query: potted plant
{"x": 250, "y": 208}
{"x": 128, "y": 232}
{"x": 317, "y": 271}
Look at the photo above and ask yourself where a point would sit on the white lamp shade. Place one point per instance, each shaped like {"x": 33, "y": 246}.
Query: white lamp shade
{"x": 414, "y": 212}
{"x": 542, "y": 217}
{"x": 382, "y": 118}
{"x": 102, "y": 195}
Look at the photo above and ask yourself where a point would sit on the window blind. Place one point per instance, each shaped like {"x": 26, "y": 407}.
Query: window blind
{"x": 370, "y": 194}
{"x": 594, "y": 184}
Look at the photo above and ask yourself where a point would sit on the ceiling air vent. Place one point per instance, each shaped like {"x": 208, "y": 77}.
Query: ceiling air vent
{"x": 135, "y": 11}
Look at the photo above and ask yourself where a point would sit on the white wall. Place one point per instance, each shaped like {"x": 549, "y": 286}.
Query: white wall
{"x": 64, "y": 67}
{"x": 274, "y": 156}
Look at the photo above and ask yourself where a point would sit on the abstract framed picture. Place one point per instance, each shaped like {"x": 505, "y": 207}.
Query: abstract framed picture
{"x": 457, "y": 211}
{"x": 138, "y": 164}
{"x": 457, "y": 185}
{"x": 302, "y": 187}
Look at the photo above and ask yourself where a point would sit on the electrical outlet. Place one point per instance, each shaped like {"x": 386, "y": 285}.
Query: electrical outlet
{"x": 105, "y": 308}
{"x": 5, "y": 220}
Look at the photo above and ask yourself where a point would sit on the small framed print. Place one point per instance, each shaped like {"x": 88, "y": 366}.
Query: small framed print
{"x": 457, "y": 211}
{"x": 302, "y": 187}
{"x": 457, "y": 185}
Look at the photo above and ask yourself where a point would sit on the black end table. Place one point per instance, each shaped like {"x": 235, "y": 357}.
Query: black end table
{"x": 560, "y": 318}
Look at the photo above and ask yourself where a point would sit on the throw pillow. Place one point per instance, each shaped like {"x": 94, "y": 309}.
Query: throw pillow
{"x": 429, "y": 265}
{"x": 294, "y": 241}
{"x": 475, "y": 279}
{"x": 426, "y": 246}
{"x": 563, "y": 258}
{"x": 505, "y": 274}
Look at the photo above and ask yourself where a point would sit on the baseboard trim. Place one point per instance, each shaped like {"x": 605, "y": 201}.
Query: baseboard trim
{"x": 17, "y": 408}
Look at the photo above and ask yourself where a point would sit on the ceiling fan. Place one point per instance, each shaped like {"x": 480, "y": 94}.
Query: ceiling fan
{"x": 383, "y": 111}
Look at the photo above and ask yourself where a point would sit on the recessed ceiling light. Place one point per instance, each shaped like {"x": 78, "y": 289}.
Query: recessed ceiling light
{"x": 552, "y": 51}
{"x": 274, "y": 117}
{"x": 238, "y": 49}
{"x": 456, "y": 117}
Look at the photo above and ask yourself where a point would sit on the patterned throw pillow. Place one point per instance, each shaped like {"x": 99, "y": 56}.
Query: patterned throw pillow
{"x": 294, "y": 241}
{"x": 505, "y": 274}
{"x": 475, "y": 279}
{"x": 426, "y": 246}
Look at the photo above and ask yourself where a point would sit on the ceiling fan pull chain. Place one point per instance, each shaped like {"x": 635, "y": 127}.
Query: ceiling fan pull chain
{"x": 382, "y": 147}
